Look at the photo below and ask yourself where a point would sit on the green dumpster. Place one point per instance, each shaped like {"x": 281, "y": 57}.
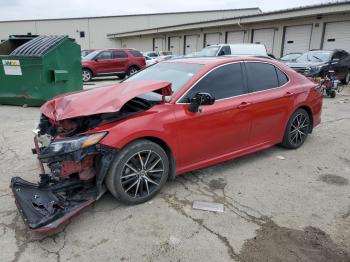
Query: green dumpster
{"x": 34, "y": 69}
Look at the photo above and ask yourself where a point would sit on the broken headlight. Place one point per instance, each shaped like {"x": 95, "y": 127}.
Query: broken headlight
{"x": 72, "y": 144}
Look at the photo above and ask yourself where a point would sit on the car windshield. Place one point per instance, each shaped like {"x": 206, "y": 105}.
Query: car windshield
{"x": 290, "y": 57}
{"x": 315, "y": 56}
{"x": 91, "y": 55}
{"x": 209, "y": 51}
{"x": 178, "y": 74}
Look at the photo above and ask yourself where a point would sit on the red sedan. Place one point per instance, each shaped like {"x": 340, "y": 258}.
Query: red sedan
{"x": 168, "y": 119}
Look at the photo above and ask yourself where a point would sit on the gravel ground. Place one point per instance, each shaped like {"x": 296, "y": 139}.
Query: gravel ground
{"x": 280, "y": 205}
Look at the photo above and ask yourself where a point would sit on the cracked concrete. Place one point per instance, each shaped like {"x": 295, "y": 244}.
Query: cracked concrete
{"x": 265, "y": 199}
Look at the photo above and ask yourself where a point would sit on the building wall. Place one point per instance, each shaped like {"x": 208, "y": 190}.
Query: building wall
{"x": 144, "y": 43}
{"x": 96, "y": 29}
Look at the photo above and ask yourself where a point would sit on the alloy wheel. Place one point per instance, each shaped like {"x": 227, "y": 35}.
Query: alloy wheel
{"x": 299, "y": 129}
{"x": 142, "y": 174}
{"x": 86, "y": 76}
{"x": 132, "y": 71}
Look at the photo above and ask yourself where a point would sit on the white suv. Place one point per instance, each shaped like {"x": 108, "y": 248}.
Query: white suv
{"x": 234, "y": 49}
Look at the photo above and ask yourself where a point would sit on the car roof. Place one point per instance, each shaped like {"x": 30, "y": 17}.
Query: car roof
{"x": 218, "y": 60}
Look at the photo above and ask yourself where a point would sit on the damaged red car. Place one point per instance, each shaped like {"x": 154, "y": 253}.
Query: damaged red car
{"x": 171, "y": 118}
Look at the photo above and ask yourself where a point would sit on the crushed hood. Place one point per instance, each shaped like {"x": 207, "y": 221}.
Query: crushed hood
{"x": 101, "y": 100}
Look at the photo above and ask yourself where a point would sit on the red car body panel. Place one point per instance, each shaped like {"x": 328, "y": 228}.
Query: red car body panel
{"x": 110, "y": 99}
{"x": 229, "y": 128}
{"x": 114, "y": 65}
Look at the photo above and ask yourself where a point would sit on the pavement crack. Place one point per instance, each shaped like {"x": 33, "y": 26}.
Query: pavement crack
{"x": 176, "y": 204}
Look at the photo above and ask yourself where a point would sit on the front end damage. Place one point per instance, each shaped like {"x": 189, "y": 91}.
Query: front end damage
{"x": 77, "y": 167}
{"x": 72, "y": 160}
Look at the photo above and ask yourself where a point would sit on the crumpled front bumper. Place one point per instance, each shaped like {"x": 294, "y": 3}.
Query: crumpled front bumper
{"x": 44, "y": 208}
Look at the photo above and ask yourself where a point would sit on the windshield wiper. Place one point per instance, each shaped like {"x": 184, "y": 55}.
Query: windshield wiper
{"x": 319, "y": 59}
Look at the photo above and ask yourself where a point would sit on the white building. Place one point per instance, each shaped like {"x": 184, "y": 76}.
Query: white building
{"x": 293, "y": 30}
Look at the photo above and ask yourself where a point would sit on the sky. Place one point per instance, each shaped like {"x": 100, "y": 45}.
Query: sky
{"x": 43, "y": 9}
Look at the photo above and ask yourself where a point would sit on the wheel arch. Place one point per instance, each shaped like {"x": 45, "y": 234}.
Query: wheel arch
{"x": 166, "y": 148}
{"x": 134, "y": 65}
{"x": 88, "y": 68}
{"x": 309, "y": 112}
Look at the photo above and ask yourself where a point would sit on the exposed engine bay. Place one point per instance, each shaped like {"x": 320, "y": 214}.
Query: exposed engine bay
{"x": 73, "y": 167}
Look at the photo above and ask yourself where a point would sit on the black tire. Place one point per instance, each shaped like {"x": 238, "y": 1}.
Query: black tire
{"x": 333, "y": 94}
{"x": 87, "y": 75}
{"x": 346, "y": 79}
{"x": 292, "y": 138}
{"x": 132, "y": 70}
{"x": 121, "y": 76}
{"x": 130, "y": 185}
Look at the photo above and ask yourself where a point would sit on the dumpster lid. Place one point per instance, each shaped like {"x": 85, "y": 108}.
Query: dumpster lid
{"x": 38, "y": 46}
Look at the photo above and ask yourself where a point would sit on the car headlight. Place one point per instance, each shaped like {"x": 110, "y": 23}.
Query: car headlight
{"x": 316, "y": 68}
{"x": 73, "y": 144}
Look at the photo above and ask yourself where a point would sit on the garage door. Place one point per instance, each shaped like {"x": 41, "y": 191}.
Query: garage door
{"x": 235, "y": 37}
{"x": 158, "y": 44}
{"x": 337, "y": 35}
{"x": 174, "y": 45}
{"x": 212, "y": 39}
{"x": 191, "y": 43}
{"x": 265, "y": 37}
{"x": 297, "y": 39}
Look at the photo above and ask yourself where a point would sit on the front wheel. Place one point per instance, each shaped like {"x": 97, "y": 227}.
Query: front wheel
{"x": 87, "y": 75}
{"x": 138, "y": 172}
{"x": 297, "y": 129}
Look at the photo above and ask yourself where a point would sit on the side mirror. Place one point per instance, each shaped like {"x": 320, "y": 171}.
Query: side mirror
{"x": 200, "y": 99}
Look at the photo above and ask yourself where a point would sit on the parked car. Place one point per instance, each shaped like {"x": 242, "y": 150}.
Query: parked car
{"x": 166, "y": 120}
{"x": 291, "y": 57}
{"x": 234, "y": 49}
{"x": 119, "y": 62}
{"x": 156, "y": 54}
{"x": 317, "y": 63}
{"x": 86, "y": 52}
{"x": 150, "y": 60}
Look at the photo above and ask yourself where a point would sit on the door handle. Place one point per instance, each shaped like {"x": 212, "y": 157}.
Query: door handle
{"x": 288, "y": 94}
{"x": 243, "y": 105}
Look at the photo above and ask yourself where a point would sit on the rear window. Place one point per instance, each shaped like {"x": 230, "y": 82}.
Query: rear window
{"x": 120, "y": 54}
{"x": 282, "y": 78}
{"x": 261, "y": 76}
{"x": 136, "y": 53}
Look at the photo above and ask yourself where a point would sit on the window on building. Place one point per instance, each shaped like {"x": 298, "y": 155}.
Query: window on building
{"x": 82, "y": 34}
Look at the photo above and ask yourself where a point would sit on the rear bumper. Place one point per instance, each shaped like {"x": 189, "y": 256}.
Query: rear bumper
{"x": 44, "y": 208}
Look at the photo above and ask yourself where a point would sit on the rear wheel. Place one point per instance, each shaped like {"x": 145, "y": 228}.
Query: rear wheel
{"x": 333, "y": 93}
{"x": 138, "y": 172}
{"x": 132, "y": 70}
{"x": 297, "y": 129}
{"x": 87, "y": 75}
{"x": 346, "y": 79}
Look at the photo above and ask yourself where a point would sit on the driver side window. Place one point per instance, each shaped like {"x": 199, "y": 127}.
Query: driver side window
{"x": 223, "y": 82}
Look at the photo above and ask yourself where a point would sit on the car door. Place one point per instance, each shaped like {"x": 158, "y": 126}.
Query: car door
{"x": 103, "y": 62}
{"x": 340, "y": 63}
{"x": 216, "y": 129}
{"x": 271, "y": 102}
{"x": 120, "y": 61}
